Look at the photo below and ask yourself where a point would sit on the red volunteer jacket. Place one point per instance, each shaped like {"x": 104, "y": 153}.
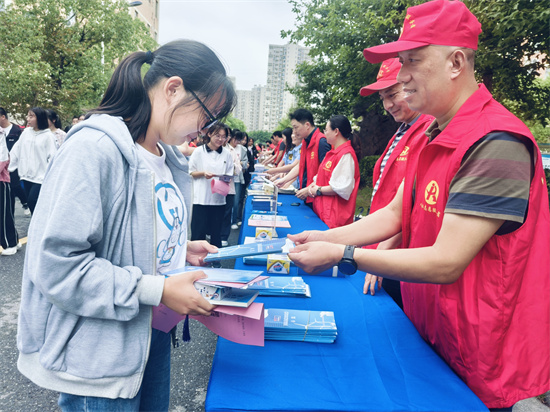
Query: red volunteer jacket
{"x": 492, "y": 325}
{"x": 335, "y": 211}
{"x": 311, "y": 153}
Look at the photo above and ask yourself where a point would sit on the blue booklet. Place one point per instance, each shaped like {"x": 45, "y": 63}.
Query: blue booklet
{"x": 225, "y": 295}
{"x": 300, "y": 325}
{"x": 221, "y": 275}
{"x": 262, "y": 259}
{"x": 282, "y": 286}
{"x": 249, "y": 249}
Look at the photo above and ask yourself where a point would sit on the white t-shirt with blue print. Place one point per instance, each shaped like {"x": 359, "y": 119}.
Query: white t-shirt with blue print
{"x": 171, "y": 214}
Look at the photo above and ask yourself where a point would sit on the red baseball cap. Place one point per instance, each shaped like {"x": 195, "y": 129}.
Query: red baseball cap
{"x": 387, "y": 77}
{"x": 441, "y": 22}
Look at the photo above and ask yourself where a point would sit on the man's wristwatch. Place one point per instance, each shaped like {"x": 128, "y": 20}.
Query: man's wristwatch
{"x": 319, "y": 193}
{"x": 347, "y": 265}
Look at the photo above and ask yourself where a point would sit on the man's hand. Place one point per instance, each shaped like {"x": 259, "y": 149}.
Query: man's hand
{"x": 197, "y": 251}
{"x": 181, "y": 296}
{"x": 315, "y": 257}
{"x": 308, "y": 236}
{"x": 302, "y": 193}
{"x": 370, "y": 283}
{"x": 208, "y": 175}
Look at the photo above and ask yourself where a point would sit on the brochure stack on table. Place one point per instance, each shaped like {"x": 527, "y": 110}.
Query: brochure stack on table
{"x": 300, "y": 325}
{"x": 282, "y": 286}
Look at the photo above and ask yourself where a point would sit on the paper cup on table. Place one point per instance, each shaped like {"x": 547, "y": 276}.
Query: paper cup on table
{"x": 219, "y": 187}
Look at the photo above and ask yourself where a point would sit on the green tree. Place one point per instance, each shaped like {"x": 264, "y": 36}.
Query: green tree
{"x": 260, "y": 136}
{"x": 235, "y": 123}
{"x": 513, "y": 48}
{"x": 337, "y": 31}
{"x": 61, "y": 53}
{"x": 284, "y": 123}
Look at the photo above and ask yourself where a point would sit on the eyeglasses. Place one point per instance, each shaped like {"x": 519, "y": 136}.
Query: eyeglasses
{"x": 212, "y": 120}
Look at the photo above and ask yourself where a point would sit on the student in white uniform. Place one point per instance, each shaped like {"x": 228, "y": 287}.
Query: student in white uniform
{"x": 209, "y": 161}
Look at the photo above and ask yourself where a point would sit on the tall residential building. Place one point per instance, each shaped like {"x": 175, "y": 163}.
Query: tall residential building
{"x": 250, "y": 107}
{"x": 263, "y": 107}
{"x": 281, "y": 72}
{"x": 148, "y": 12}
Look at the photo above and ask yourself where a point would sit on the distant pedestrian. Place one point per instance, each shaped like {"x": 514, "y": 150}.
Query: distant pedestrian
{"x": 13, "y": 132}
{"x": 54, "y": 123}
{"x": 31, "y": 154}
{"x": 207, "y": 165}
{"x": 9, "y": 239}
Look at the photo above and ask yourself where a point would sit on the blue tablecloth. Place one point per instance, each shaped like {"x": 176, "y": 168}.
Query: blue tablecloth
{"x": 378, "y": 362}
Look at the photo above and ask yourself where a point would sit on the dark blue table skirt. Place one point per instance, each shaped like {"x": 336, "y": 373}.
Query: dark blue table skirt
{"x": 378, "y": 362}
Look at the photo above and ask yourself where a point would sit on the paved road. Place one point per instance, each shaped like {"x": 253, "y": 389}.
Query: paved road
{"x": 191, "y": 362}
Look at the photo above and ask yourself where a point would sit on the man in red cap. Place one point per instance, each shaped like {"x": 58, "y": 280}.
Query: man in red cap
{"x": 389, "y": 170}
{"x": 474, "y": 216}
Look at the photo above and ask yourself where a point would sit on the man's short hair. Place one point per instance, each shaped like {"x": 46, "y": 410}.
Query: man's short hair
{"x": 3, "y": 112}
{"x": 302, "y": 116}
{"x": 277, "y": 133}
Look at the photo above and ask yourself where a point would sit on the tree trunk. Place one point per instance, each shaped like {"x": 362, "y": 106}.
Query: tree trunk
{"x": 375, "y": 132}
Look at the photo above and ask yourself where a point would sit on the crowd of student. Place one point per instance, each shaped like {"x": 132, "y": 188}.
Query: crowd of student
{"x": 24, "y": 157}
{"x": 458, "y": 227}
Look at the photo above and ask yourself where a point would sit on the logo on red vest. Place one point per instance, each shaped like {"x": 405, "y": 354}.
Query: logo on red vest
{"x": 328, "y": 165}
{"x": 403, "y": 156}
{"x": 431, "y": 193}
{"x": 312, "y": 155}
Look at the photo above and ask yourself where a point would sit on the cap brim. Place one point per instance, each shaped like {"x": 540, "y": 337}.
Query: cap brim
{"x": 376, "y": 87}
{"x": 386, "y": 51}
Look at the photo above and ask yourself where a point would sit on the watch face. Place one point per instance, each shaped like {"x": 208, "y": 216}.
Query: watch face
{"x": 347, "y": 268}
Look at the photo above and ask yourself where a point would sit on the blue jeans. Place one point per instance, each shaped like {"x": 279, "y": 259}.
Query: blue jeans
{"x": 154, "y": 394}
{"x": 236, "y": 217}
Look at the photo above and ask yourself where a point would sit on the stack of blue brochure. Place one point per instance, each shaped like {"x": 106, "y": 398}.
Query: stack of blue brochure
{"x": 250, "y": 249}
{"x": 282, "y": 286}
{"x": 261, "y": 259}
{"x": 300, "y": 325}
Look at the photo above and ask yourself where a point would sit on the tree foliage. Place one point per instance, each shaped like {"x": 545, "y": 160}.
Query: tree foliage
{"x": 513, "y": 48}
{"x": 337, "y": 31}
{"x": 235, "y": 123}
{"x": 52, "y": 52}
{"x": 260, "y": 136}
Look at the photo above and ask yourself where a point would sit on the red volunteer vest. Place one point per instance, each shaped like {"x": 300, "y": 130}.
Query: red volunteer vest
{"x": 492, "y": 325}
{"x": 277, "y": 149}
{"x": 311, "y": 153}
{"x": 394, "y": 171}
{"x": 335, "y": 211}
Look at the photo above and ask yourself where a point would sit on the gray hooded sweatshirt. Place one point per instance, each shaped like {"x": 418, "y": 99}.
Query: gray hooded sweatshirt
{"x": 89, "y": 281}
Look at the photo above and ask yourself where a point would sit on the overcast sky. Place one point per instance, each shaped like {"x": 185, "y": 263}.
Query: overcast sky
{"x": 239, "y": 31}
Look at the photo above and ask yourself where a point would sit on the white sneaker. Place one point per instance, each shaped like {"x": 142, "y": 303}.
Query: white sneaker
{"x": 225, "y": 243}
{"x": 27, "y": 212}
{"x": 239, "y": 223}
{"x": 9, "y": 251}
{"x": 234, "y": 226}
